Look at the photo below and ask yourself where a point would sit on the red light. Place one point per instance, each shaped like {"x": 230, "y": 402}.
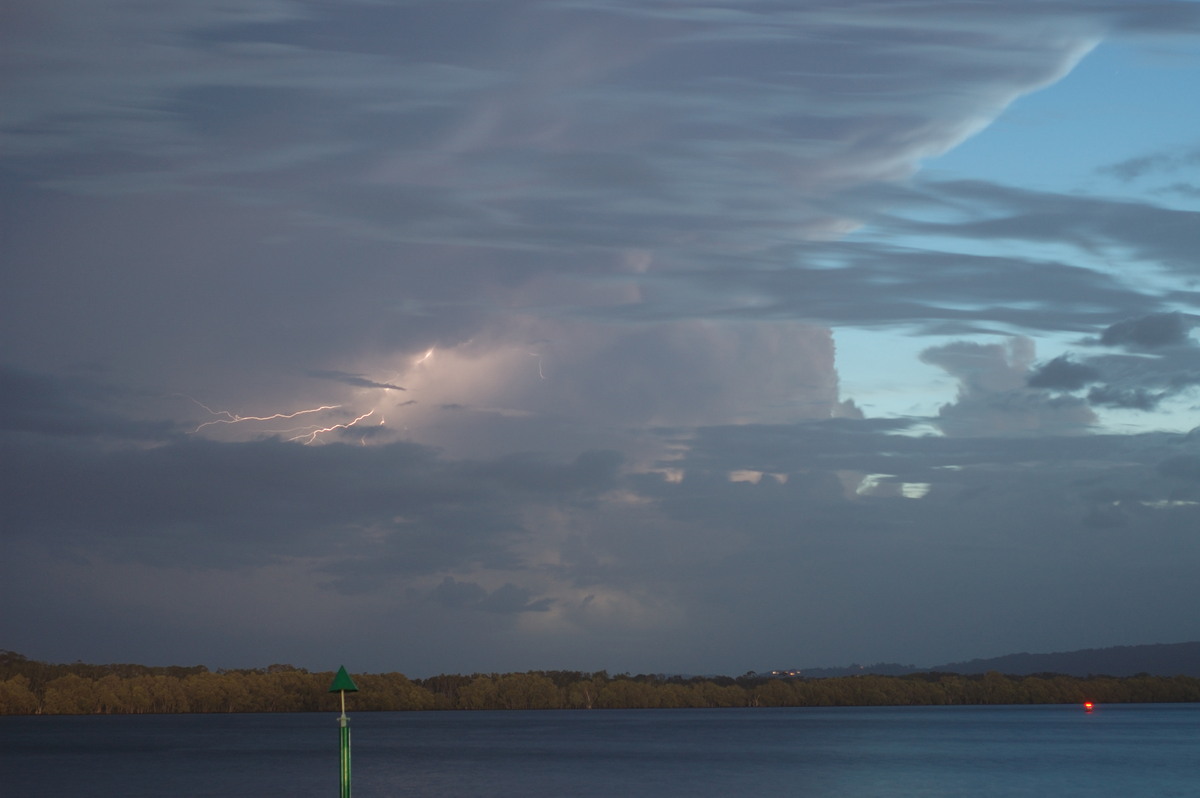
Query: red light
{"x": 1088, "y": 706}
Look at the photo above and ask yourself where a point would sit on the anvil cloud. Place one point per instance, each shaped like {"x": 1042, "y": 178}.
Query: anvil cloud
{"x": 457, "y": 335}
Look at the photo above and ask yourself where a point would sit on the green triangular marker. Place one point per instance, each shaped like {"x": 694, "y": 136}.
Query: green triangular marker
{"x": 343, "y": 682}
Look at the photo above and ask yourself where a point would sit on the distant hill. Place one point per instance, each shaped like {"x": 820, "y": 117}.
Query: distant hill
{"x": 1160, "y": 659}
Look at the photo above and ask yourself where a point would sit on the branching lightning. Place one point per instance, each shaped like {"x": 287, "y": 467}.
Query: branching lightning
{"x": 309, "y": 433}
{"x": 311, "y": 430}
{"x": 311, "y": 436}
{"x": 226, "y": 417}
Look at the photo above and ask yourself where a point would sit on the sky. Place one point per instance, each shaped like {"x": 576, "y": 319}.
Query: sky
{"x": 670, "y": 336}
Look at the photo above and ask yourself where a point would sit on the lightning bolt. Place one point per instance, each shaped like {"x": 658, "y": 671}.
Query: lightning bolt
{"x": 311, "y": 436}
{"x": 227, "y": 417}
{"x": 306, "y": 433}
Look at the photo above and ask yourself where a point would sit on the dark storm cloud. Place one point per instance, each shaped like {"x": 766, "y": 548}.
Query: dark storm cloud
{"x": 1064, "y": 374}
{"x": 1163, "y": 364}
{"x": 197, "y": 503}
{"x": 1134, "y": 399}
{"x": 55, "y": 405}
{"x": 203, "y": 504}
{"x": 383, "y": 514}
{"x": 612, "y": 237}
{"x": 1150, "y": 332}
{"x": 200, "y": 503}
{"x": 1138, "y": 381}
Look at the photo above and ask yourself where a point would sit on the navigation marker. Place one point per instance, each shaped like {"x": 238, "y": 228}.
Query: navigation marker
{"x": 342, "y": 683}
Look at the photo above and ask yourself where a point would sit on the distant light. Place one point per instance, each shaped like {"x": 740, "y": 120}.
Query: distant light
{"x": 1088, "y": 706}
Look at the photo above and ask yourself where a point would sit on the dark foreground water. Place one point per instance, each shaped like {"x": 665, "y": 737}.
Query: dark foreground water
{"x": 1131, "y": 750}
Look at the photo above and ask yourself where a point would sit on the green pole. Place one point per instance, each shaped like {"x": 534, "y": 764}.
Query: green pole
{"x": 342, "y": 683}
{"x": 345, "y": 734}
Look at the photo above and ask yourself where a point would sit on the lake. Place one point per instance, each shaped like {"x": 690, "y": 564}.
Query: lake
{"x": 1117, "y": 750}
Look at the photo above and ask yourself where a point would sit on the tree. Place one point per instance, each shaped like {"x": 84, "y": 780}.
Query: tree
{"x": 69, "y": 695}
{"x": 16, "y": 698}
{"x": 479, "y": 694}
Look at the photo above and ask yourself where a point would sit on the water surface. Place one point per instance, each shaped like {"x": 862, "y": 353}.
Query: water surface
{"x": 1119, "y": 750}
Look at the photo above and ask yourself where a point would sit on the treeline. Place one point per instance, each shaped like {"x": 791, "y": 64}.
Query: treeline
{"x": 29, "y": 687}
